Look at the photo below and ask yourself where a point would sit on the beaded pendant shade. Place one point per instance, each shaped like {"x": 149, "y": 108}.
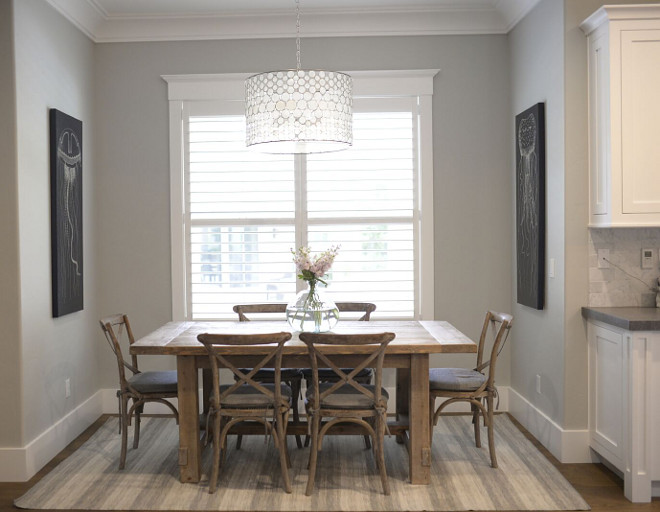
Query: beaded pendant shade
{"x": 299, "y": 110}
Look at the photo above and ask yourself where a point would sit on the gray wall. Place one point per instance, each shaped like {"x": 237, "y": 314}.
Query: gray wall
{"x": 536, "y": 48}
{"x": 54, "y": 69}
{"x": 10, "y": 368}
{"x": 548, "y": 53}
{"x": 473, "y": 209}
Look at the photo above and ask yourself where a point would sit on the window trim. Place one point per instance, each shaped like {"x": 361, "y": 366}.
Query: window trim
{"x": 183, "y": 89}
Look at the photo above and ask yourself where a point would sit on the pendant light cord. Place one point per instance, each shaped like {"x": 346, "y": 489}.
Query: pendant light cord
{"x": 297, "y": 35}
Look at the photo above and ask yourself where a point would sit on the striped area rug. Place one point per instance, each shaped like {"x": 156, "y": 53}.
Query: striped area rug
{"x": 347, "y": 478}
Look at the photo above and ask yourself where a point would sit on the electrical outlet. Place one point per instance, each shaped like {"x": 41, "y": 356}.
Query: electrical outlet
{"x": 538, "y": 384}
{"x": 67, "y": 387}
{"x": 603, "y": 258}
{"x": 647, "y": 258}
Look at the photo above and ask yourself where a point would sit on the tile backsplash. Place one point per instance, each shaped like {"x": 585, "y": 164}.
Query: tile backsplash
{"x": 625, "y": 282}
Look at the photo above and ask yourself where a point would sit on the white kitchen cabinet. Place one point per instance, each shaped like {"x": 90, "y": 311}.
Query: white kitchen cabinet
{"x": 624, "y": 410}
{"x": 624, "y": 109}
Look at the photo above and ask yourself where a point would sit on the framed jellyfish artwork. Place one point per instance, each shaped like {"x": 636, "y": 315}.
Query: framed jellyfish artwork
{"x": 530, "y": 206}
{"x": 66, "y": 213}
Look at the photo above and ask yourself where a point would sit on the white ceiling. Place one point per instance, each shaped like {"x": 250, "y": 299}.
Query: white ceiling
{"x": 165, "y": 20}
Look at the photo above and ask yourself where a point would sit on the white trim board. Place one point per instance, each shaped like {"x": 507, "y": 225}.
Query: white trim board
{"x": 188, "y": 23}
{"x": 21, "y": 464}
{"x": 568, "y": 446}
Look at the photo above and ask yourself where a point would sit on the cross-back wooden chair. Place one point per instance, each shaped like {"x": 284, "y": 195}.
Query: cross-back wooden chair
{"x": 347, "y": 400}
{"x": 474, "y": 386}
{"x": 366, "y": 374}
{"x": 292, "y": 376}
{"x": 140, "y": 387}
{"x": 326, "y": 374}
{"x": 248, "y": 399}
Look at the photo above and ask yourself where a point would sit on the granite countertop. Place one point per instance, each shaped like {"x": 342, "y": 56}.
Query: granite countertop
{"x": 630, "y": 318}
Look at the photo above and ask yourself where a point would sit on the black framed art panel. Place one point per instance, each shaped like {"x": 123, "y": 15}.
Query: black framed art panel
{"x": 530, "y": 206}
{"x": 66, "y": 213}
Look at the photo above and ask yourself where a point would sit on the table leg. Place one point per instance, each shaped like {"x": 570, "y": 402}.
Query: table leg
{"x": 419, "y": 445}
{"x": 189, "y": 446}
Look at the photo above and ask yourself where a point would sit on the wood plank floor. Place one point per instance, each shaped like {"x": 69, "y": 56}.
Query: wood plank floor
{"x": 601, "y": 488}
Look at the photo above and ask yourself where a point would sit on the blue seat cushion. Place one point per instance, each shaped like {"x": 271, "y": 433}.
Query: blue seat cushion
{"x": 154, "y": 382}
{"x": 455, "y": 379}
{"x": 247, "y": 397}
{"x": 346, "y": 397}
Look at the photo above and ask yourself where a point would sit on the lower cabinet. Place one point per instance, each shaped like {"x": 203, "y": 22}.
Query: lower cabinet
{"x": 624, "y": 405}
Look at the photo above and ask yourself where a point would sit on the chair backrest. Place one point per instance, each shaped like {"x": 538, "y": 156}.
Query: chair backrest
{"x": 375, "y": 344}
{"x": 270, "y": 310}
{"x": 265, "y": 310}
{"x": 217, "y": 348}
{"x": 357, "y": 307}
{"x": 115, "y": 328}
{"x": 496, "y": 330}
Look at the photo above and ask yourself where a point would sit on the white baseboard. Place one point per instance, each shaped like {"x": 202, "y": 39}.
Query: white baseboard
{"x": 21, "y": 464}
{"x": 568, "y": 446}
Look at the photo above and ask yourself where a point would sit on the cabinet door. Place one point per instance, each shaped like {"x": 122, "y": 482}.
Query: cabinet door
{"x": 607, "y": 386}
{"x": 599, "y": 125}
{"x": 640, "y": 115}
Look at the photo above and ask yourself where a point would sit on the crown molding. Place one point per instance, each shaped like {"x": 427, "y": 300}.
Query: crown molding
{"x": 484, "y": 17}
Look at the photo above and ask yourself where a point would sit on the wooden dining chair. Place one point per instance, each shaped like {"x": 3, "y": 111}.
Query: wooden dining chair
{"x": 347, "y": 400}
{"x": 292, "y": 376}
{"x": 247, "y": 399}
{"x": 476, "y": 385}
{"x": 364, "y": 376}
{"x": 140, "y": 387}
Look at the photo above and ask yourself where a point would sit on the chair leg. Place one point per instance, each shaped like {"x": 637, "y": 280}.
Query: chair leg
{"x": 491, "y": 432}
{"x": 475, "y": 422}
{"x": 379, "y": 442}
{"x": 239, "y": 440}
{"x": 215, "y": 468}
{"x": 123, "y": 419}
{"x": 431, "y": 414}
{"x": 296, "y": 384}
{"x": 284, "y": 455}
{"x": 313, "y": 455}
{"x": 136, "y": 428}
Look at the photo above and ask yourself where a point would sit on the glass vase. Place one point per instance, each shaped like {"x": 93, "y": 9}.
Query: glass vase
{"x": 312, "y": 311}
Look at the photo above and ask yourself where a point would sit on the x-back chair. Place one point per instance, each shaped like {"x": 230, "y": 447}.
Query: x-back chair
{"x": 347, "y": 400}
{"x": 248, "y": 399}
{"x": 140, "y": 387}
{"x": 475, "y": 386}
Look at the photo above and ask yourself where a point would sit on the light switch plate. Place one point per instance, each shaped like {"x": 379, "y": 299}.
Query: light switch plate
{"x": 647, "y": 258}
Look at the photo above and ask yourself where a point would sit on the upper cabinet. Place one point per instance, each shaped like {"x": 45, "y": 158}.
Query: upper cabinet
{"x": 624, "y": 115}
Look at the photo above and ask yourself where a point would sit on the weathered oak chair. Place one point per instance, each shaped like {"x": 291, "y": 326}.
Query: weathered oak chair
{"x": 474, "y": 386}
{"x": 292, "y": 376}
{"x": 347, "y": 401}
{"x": 365, "y": 375}
{"x": 141, "y": 387}
{"x": 248, "y": 399}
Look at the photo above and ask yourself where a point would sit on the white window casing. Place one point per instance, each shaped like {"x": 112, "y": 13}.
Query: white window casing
{"x": 284, "y": 201}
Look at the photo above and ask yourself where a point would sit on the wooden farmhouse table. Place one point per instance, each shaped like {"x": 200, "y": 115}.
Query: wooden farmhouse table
{"x": 409, "y": 353}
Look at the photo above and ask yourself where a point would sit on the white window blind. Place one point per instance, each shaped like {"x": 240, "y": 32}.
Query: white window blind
{"x": 243, "y": 213}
